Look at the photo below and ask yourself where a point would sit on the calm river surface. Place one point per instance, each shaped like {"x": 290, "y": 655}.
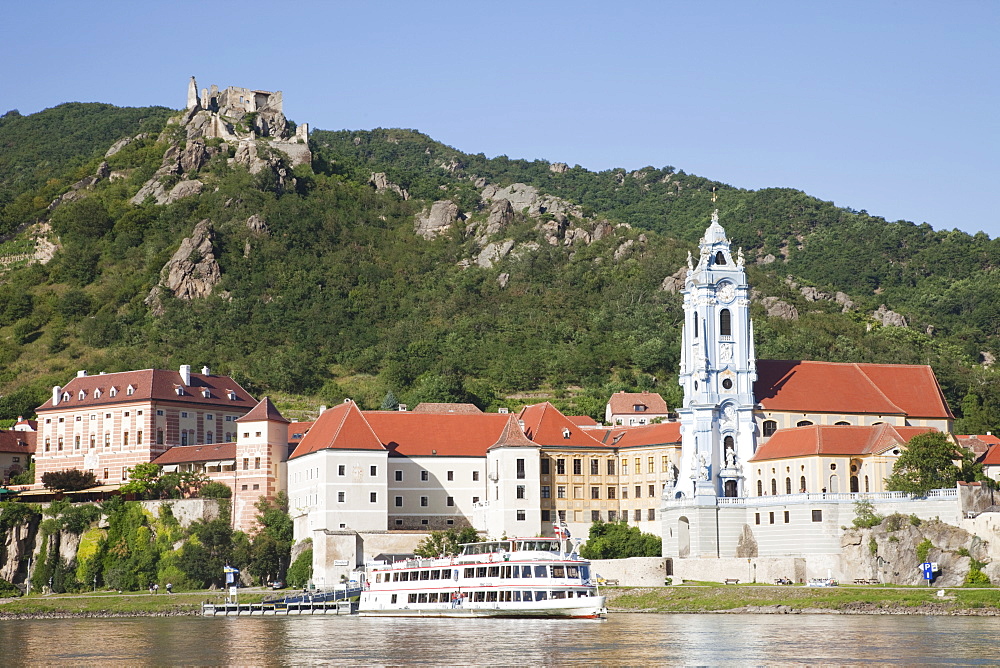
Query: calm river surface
{"x": 633, "y": 639}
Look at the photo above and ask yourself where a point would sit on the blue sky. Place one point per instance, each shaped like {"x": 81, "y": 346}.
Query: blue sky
{"x": 887, "y": 106}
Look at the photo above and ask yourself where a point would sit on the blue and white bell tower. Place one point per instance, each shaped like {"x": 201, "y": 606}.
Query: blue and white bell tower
{"x": 718, "y": 370}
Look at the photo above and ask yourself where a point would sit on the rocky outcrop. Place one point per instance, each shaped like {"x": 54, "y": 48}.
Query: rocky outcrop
{"x": 558, "y": 168}
{"x": 776, "y": 308}
{"x": 192, "y": 272}
{"x": 888, "y": 552}
{"x": 746, "y": 546}
{"x": 501, "y": 216}
{"x": 256, "y": 224}
{"x": 18, "y": 544}
{"x": 523, "y": 197}
{"x": 493, "y": 252}
{"x": 675, "y": 282}
{"x": 382, "y": 184}
{"x": 812, "y": 294}
{"x": 889, "y": 318}
{"x": 436, "y": 220}
{"x": 182, "y": 190}
{"x": 194, "y": 156}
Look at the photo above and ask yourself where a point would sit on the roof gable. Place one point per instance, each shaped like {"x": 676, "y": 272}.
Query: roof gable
{"x": 513, "y": 436}
{"x": 652, "y": 434}
{"x": 263, "y": 411}
{"x": 843, "y": 440}
{"x": 437, "y": 434}
{"x": 637, "y": 403}
{"x": 183, "y": 454}
{"x": 545, "y": 425}
{"x": 343, "y": 427}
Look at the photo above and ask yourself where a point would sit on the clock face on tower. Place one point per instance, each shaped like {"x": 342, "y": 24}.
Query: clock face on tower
{"x": 726, "y": 291}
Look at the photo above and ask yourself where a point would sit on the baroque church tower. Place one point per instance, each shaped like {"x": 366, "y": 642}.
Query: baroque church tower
{"x": 718, "y": 370}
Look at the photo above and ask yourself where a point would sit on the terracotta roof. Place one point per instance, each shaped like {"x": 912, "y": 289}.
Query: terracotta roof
{"x": 545, "y": 425}
{"x": 18, "y": 441}
{"x": 650, "y": 434}
{"x": 152, "y": 384}
{"x": 342, "y": 427}
{"x": 513, "y": 436}
{"x": 582, "y": 420}
{"x": 835, "y": 440}
{"x": 298, "y": 430}
{"x": 979, "y": 444}
{"x": 264, "y": 410}
{"x": 444, "y": 435}
{"x": 992, "y": 457}
{"x": 624, "y": 403}
{"x": 828, "y": 387}
{"x": 183, "y": 454}
{"x": 31, "y": 425}
{"x": 465, "y": 409}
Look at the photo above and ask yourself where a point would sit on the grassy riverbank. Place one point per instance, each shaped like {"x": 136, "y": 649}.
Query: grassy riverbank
{"x": 113, "y": 604}
{"x": 785, "y": 599}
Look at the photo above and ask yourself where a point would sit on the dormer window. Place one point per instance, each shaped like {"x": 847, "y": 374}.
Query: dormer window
{"x": 130, "y": 390}
{"x": 565, "y": 432}
{"x": 81, "y": 395}
{"x": 206, "y": 393}
{"x": 179, "y": 390}
{"x": 113, "y": 392}
{"x": 97, "y": 393}
{"x": 65, "y": 396}
{"x": 231, "y": 395}
{"x": 639, "y": 408}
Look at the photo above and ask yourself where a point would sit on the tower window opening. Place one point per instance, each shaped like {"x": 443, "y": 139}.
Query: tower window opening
{"x": 725, "y": 323}
{"x": 720, "y": 258}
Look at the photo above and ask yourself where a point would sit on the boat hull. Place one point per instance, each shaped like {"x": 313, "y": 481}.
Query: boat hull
{"x": 593, "y": 609}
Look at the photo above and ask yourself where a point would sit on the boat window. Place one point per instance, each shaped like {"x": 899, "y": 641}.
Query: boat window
{"x": 395, "y": 577}
{"x": 491, "y": 596}
{"x": 432, "y": 597}
{"x": 516, "y": 572}
{"x": 541, "y": 571}
{"x": 517, "y": 597}
{"x": 493, "y": 572}
{"x": 378, "y": 577}
{"x": 541, "y": 595}
{"x": 393, "y": 599}
{"x": 572, "y": 572}
{"x": 525, "y": 595}
{"x": 404, "y": 576}
{"x": 585, "y": 572}
{"x": 505, "y": 572}
{"x": 525, "y": 571}
{"x": 435, "y": 575}
{"x": 569, "y": 594}
{"x": 422, "y": 598}
{"x": 469, "y": 573}
{"x": 480, "y": 571}
{"x": 412, "y": 598}
{"x": 425, "y": 575}
{"x": 558, "y": 594}
{"x": 558, "y": 572}
{"x": 479, "y": 596}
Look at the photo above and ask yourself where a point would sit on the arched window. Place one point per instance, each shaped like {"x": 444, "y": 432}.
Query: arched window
{"x": 727, "y": 443}
{"x": 760, "y": 488}
{"x": 802, "y": 484}
{"x": 842, "y": 424}
{"x": 725, "y": 323}
{"x": 770, "y": 426}
{"x": 774, "y": 486}
{"x": 788, "y": 485}
{"x": 696, "y": 325}
{"x": 854, "y": 483}
{"x": 720, "y": 258}
{"x": 730, "y": 488}
{"x": 867, "y": 489}
{"x": 803, "y": 423}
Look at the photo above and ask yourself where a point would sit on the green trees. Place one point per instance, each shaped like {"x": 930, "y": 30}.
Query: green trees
{"x": 69, "y": 480}
{"x": 928, "y": 462}
{"x": 618, "y": 540}
{"x": 272, "y": 544}
{"x": 445, "y": 542}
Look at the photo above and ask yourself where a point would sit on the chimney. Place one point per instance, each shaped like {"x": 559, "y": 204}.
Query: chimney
{"x": 322, "y": 409}
{"x": 185, "y": 374}
{"x": 503, "y": 410}
{"x": 402, "y": 408}
{"x": 56, "y": 391}
{"x": 205, "y": 371}
{"x": 82, "y": 373}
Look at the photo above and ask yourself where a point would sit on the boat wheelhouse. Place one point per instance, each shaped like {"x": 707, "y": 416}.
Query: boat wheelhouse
{"x": 522, "y": 577}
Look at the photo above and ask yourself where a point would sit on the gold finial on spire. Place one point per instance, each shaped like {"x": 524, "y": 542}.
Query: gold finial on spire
{"x": 714, "y": 194}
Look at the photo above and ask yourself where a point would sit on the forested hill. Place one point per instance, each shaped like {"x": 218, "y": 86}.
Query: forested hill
{"x": 344, "y": 280}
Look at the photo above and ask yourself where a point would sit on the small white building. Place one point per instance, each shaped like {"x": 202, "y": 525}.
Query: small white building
{"x": 635, "y": 408}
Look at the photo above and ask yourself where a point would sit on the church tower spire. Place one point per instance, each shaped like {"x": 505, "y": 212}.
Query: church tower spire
{"x": 718, "y": 369}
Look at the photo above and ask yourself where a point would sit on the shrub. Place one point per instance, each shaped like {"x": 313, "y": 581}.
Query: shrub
{"x": 915, "y": 521}
{"x": 301, "y": 570}
{"x": 924, "y": 550}
{"x": 70, "y": 480}
{"x": 8, "y": 590}
{"x": 872, "y": 546}
{"x": 895, "y": 522}
{"x": 975, "y": 577}
{"x": 215, "y": 490}
{"x": 865, "y": 516}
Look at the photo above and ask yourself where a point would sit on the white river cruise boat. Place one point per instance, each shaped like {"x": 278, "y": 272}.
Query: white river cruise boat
{"x": 521, "y": 577}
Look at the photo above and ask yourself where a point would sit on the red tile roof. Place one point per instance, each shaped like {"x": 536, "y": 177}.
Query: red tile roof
{"x": 828, "y": 387}
{"x": 513, "y": 436}
{"x": 185, "y": 454}
{"x": 582, "y": 420}
{"x": 18, "y": 441}
{"x": 264, "y": 410}
{"x": 979, "y": 444}
{"x": 466, "y": 409}
{"x": 32, "y": 425}
{"x": 298, "y": 430}
{"x": 652, "y": 434}
{"x": 155, "y": 385}
{"x": 343, "y": 427}
{"x": 624, "y": 403}
{"x": 444, "y": 435}
{"x": 992, "y": 457}
{"x": 844, "y": 440}
{"x": 545, "y": 425}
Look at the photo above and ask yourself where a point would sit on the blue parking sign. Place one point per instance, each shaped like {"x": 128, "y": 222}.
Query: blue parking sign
{"x": 928, "y": 569}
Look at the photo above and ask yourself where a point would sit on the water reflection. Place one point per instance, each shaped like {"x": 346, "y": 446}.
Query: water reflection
{"x": 623, "y": 639}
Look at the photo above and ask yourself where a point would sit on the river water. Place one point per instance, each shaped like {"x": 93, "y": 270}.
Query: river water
{"x": 623, "y": 639}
